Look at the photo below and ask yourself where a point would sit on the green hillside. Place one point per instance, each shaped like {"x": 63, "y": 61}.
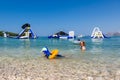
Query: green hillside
{"x": 9, "y": 33}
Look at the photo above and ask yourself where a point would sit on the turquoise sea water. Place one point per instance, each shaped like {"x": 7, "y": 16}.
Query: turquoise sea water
{"x": 107, "y": 49}
{"x": 100, "y": 61}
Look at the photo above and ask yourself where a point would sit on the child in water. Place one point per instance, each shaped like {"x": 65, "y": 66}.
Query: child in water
{"x": 82, "y": 45}
{"x": 51, "y": 55}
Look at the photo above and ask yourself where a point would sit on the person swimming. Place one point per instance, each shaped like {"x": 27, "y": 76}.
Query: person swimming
{"x": 82, "y": 45}
{"x": 51, "y": 55}
{"x": 78, "y": 39}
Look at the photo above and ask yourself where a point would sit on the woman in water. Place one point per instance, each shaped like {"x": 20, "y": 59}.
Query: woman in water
{"x": 82, "y": 45}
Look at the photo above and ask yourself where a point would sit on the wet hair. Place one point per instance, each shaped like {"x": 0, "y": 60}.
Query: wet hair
{"x": 82, "y": 43}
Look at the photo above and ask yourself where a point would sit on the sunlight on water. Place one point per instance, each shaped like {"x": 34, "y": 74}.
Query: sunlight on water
{"x": 20, "y": 46}
{"x": 25, "y": 47}
{"x": 100, "y": 60}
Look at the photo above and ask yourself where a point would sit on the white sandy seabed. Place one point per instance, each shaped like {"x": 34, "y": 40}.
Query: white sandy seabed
{"x": 57, "y": 69}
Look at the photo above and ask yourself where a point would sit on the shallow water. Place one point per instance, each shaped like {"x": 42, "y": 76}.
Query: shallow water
{"x": 100, "y": 60}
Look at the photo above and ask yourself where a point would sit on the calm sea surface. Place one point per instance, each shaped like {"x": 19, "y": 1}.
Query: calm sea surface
{"x": 100, "y": 61}
{"x": 107, "y": 49}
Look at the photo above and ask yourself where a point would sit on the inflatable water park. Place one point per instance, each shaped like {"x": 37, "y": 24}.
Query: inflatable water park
{"x": 63, "y": 35}
{"x": 97, "y": 34}
{"x": 26, "y": 33}
{"x": 4, "y": 34}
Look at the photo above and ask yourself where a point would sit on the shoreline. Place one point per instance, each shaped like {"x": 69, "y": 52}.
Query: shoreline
{"x": 58, "y": 69}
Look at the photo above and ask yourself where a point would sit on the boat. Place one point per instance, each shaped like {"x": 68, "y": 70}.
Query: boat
{"x": 76, "y": 42}
{"x": 80, "y": 36}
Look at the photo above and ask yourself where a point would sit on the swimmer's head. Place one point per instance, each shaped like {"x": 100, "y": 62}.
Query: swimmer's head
{"x": 82, "y": 43}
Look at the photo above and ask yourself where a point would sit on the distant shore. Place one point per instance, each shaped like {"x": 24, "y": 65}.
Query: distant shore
{"x": 16, "y": 34}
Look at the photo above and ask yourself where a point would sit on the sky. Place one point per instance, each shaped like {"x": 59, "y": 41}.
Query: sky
{"x": 47, "y": 17}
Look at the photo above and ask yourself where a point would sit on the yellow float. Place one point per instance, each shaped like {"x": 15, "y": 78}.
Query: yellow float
{"x": 54, "y": 53}
{"x": 51, "y": 55}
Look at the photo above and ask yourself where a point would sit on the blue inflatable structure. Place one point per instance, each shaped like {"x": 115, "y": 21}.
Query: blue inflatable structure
{"x": 26, "y": 33}
{"x": 97, "y": 34}
{"x": 63, "y": 35}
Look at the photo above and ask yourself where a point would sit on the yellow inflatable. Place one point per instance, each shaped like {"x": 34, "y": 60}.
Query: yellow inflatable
{"x": 54, "y": 53}
{"x": 51, "y": 55}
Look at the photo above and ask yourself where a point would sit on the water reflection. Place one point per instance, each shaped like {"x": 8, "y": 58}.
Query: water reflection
{"x": 97, "y": 40}
{"x": 96, "y": 50}
{"x": 25, "y": 43}
{"x": 96, "y": 47}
